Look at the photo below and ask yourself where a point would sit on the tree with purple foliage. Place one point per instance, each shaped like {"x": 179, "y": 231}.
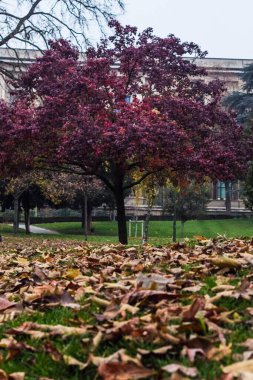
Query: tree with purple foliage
{"x": 135, "y": 104}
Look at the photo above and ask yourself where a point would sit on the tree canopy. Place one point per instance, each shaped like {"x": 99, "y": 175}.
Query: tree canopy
{"x": 133, "y": 107}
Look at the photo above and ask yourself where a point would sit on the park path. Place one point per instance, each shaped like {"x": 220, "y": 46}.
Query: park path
{"x": 39, "y": 230}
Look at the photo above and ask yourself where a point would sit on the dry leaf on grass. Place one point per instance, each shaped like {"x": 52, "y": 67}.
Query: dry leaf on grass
{"x": 188, "y": 371}
{"x": 123, "y": 371}
{"x": 238, "y": 368}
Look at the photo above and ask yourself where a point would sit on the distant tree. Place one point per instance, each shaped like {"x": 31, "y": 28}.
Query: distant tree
{"x": 32, "y": 23}
{"x": 79, "y": 193}
{"x": 26, "y": 190}
{"x": 100, "y": 117}
{"x": 247, "y": 191}
{"x": 241, "y": 102}
{"x": 186, "y": 201}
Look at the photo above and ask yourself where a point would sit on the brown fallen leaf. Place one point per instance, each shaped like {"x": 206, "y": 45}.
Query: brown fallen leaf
{"x": 3, "y": 375}
{"x": 188, "y": 371}
{"x": 191, "y": 353}
{"x": 148, "y": 295}
{"x": 5, "y": 304}
{"x": 248, "y": 343}
{"x": 193, "y": 289}
{"x": 17, "y": 376}
{"x": 247, "y": 355}
{"x": 96, "y": 340}
{"x": 70, "y": 360}
{"x": 147, "y": 281}
{"x": 158, "y": 351}
{"x": 13, "y": 344}
{"x": 238, "y": 368}
{"x": 118, "y": 356}
{"x": 53, "y": 352}
{"x": 218, "y": 353}
{"x": 123, "y": 371}
{"x": 226, "y": 262}
{"x": 41, "y": 330}
{"x": 190, "y": 312}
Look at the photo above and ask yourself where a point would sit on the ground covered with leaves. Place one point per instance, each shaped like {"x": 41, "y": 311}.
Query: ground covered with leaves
{"x": 71, "y": 310}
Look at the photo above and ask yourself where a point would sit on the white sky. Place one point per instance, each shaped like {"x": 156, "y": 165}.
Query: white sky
{"x": 222, "y": 27}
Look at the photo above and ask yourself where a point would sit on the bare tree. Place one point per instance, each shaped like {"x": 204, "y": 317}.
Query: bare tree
{"x": 32, "y": 23}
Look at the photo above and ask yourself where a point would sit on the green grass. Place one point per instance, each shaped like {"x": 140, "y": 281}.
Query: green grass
{"x": 160, "y": 232}
{"x": 163, "y": 229}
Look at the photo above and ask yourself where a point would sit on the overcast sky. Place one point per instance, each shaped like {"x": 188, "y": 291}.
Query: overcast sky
{"x": 222, "y": 27}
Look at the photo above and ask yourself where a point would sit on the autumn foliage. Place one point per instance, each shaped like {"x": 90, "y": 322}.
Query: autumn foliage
{"x": 134, "y": 104}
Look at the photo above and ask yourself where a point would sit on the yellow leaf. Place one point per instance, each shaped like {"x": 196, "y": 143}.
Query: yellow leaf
{"x": 226, "y": 262}
{"x": 72, "y": 273}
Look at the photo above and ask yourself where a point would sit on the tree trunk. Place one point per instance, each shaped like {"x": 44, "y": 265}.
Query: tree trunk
{"x": 228, "y": 196}
{"x": 146, "y": 225}
{"x": 16, "y": 214}
{"x": 174, "y": 234}
{"x": 83, "y": 215}
{"x": 121, "y": 214}
{"x": 26, "y": 207}
{"x": 89, "y": 218}
{"x": 182, "y": 229}
{"x": 27, "y": 221}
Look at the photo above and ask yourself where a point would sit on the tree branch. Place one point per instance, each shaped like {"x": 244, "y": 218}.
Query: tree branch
{"x": 19, "y": 25}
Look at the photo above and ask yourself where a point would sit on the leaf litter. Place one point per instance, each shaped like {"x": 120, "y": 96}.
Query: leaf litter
{"x": 135, "y": 312}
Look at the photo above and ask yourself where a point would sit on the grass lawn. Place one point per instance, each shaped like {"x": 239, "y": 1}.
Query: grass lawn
{"x": 160, "y": 232}
{"x": 72, "y": 310}
{"x": 163, "y": 229}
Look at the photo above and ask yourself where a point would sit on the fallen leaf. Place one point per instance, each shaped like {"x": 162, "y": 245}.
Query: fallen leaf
{"x": 240, "y": 367}
{"x": 3, "y": 375}
{"x": 226, "y": 262}
{"x": 17, "y": 376}
{"x": 190, "y": 312}
{"x": 188, "y": 371}
{"x": 123, "y": 371}
{"x": 69, "y": 360}
{"x": 5, "y": 304}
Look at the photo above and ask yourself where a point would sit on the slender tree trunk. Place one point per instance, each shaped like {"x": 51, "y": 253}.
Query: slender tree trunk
{"x": 16, "y": 214}
{"x": 146, "y": 225}
{"x": 26, "y": 207}
{"x": 174, "y": 234}
{"x": 83, "y": 213}
{"x": 121, "y": 214}
{"x": 228, "y": 196}
{"x": 27, "y": 221}
{"x": 89, "y": 218}
{"x": 85, "y": 216}
{"x": 182, "y": 229}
